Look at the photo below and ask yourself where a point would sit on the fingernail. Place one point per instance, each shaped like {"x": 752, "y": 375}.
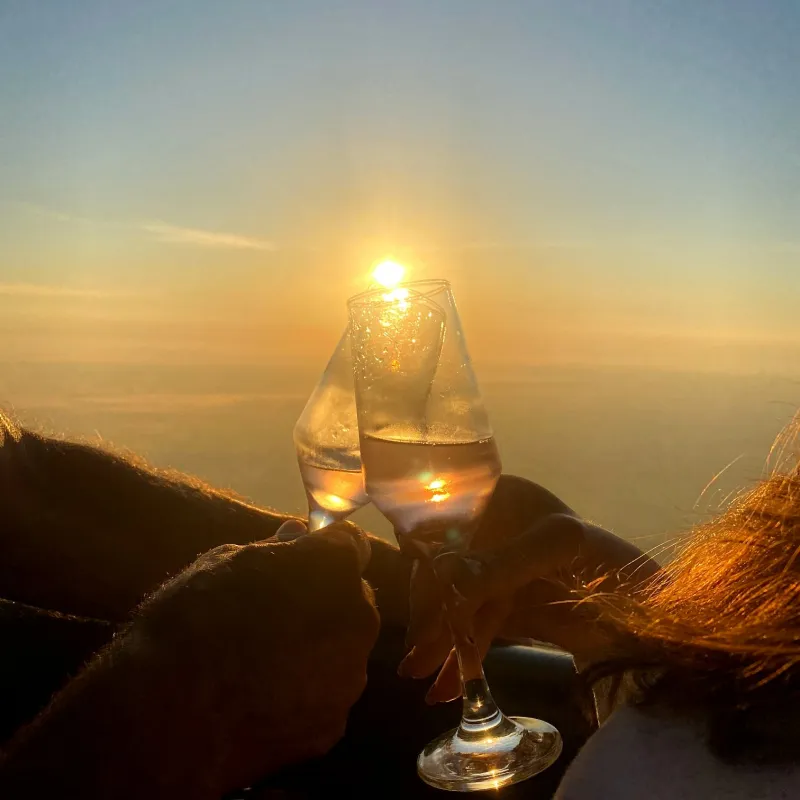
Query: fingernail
{"x": 290, "y": 530}
{"x": 407, "y": 668}
{"x": 435, "y": 695}
{"x": 403, "y": 669}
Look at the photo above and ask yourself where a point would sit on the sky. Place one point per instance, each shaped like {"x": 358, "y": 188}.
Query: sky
{"x": 606, "y": 182}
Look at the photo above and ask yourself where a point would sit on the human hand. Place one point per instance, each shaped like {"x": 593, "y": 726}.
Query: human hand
{"x": 246, "y": 662}
{"x": 275, "y": 637}
{"x": 528, "y": 555}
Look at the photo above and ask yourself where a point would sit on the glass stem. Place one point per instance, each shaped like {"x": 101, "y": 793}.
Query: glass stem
{"x": 480, "y": 711}
{"x": 479, "y": 708}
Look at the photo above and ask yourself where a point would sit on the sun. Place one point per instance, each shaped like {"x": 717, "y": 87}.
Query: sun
{"x": 388, "y": 273}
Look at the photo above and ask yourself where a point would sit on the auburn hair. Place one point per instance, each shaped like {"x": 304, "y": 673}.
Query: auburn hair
{"x": 717, "y": 631}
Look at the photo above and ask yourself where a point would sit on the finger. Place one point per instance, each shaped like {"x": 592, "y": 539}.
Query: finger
{"x": 459, "y": 576}
{"x": 290, "y": 530}
{"x": 424, "y": 659}
{"x": 389, "y": 574}
{"x": 348, "y": 535}
{"x": 447, "y": 686}
{"x": 489, "y": 621}
{"x": 515, "y": 504}
{"x": 484, "y": 589}
{"x": 549, "y": 612}
{"x": 425, "y": 605}
{"x": 549, "y": 546}
{"x": 216, "y": 556}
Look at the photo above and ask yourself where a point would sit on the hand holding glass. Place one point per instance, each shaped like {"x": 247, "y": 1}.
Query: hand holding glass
{"x": 431, "y": 464}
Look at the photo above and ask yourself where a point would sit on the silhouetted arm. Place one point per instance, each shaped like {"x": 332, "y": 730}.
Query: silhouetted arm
{"x": 42, "y": 650}
{"x": 90, "y": 533}
{"x": 231, "y": 671}
{"x": 105, "y": 736}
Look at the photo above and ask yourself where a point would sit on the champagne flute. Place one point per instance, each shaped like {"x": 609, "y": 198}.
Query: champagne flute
{"x": 326, "y": 441}
{"x": 431, "y": 464}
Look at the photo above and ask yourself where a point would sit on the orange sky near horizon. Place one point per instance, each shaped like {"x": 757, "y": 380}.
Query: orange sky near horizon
{"x": 537, "y": 320}
{"x": 601, "y": 189}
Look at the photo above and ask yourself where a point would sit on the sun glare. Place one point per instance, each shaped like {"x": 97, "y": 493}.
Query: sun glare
{"x": 388, "y": 273}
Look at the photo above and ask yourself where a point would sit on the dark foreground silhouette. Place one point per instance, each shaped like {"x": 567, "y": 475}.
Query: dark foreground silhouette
{"x": 170, "y": 640}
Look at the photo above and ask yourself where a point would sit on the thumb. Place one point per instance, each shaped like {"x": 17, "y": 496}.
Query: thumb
{"x": 350, "y": 535}
{"x": 290, "y": 530}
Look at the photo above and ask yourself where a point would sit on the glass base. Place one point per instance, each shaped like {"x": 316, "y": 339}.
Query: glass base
{"x": 509, "y": 751}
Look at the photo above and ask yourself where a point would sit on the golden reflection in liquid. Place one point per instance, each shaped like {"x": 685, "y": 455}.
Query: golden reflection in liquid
{"x": 438, "y": 489}
{"x": 332, "y": 502}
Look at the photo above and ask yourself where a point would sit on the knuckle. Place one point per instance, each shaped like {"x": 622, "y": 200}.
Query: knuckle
{"x": 254, "y": 557}
{"x": 216, "y": 556}
{"x": 350, "y": 537}
{"x": 343, "y": 528}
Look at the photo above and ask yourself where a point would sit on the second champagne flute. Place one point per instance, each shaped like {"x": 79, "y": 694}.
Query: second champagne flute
{"x": 326, "y": 441}
{"x": 431, "y": 464}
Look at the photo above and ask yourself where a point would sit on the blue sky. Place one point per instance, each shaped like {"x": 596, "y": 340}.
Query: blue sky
{"x": 621, "y": 172}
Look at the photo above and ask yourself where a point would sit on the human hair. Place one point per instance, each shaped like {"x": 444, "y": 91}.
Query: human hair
{"x": 88, "y": 531}
{"x": 717, "y": 631}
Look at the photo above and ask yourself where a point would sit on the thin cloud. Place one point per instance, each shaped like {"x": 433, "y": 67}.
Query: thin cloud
{"x": 39, "y": 290}
{"x": 161, "y": 231}
{"x": 52, "y": 213}
{"x": 195, "y": 237}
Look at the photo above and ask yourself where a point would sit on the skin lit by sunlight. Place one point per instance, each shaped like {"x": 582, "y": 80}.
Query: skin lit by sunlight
{"x": 389, "y": 273}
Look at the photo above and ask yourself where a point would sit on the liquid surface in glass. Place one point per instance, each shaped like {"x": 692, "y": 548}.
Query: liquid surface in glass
{"x": 431, "y": 491}
{"x": 333, "y": 481}
{"x": 336, "y": 491}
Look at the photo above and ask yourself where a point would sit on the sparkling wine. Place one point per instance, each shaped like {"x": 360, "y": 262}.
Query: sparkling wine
{"x": 432, "y": 492}
{"x": 334, "y": 484}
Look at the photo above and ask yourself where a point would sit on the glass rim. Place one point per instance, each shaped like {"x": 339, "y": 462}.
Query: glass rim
{"x": 437, "y": 284}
